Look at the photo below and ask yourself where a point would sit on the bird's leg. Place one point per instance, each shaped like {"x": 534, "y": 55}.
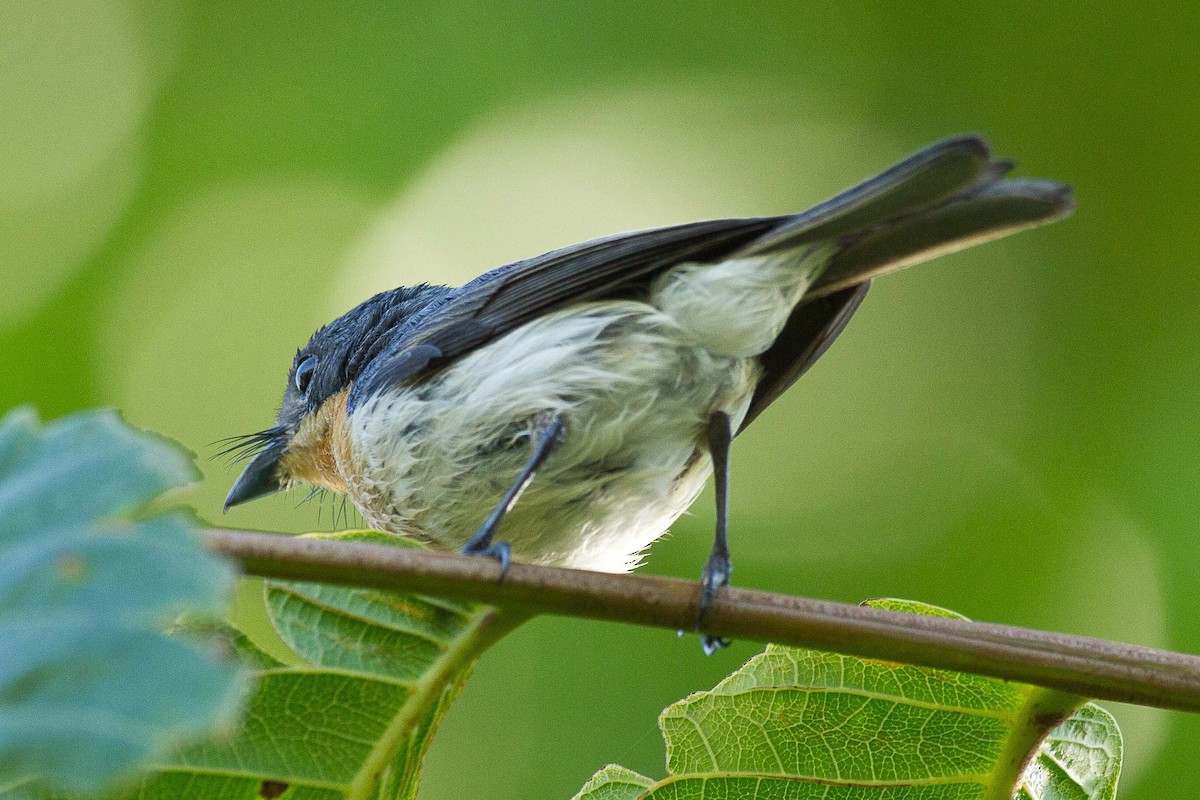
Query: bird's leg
{"x": 718, "y": 567}
{"x": 548, "y": 432}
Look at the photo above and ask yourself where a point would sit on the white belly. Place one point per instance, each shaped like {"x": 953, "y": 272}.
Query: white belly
{"x": 636, "y": 385}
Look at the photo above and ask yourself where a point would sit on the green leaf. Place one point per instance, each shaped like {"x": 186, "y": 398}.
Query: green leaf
{"x": 614, "y": 782}
{"x": 353, "y": 713}
{"x": 800, "y": 724}
{"x": 1079, "y": 759}
{"x": 91, "y": 686}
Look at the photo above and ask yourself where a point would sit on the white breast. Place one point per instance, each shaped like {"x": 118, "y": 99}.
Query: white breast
{"x": 636, "y": 384}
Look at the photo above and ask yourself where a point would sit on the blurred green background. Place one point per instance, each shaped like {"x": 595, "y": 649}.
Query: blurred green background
{"x": 188, "y": 189}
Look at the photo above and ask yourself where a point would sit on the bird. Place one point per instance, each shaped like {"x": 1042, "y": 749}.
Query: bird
{"x": 566, "y": 409}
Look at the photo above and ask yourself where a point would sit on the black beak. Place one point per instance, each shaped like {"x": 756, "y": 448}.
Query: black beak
{"x": 260, "y": 477}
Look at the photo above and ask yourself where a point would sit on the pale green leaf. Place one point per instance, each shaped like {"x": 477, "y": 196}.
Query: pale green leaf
{"x": 1080, "y": 760}
{"x": 91, "y": 686}
{"x": 800, "y": 724}
{"x": 614, "y": 782}
{"x": 373, "y": 674}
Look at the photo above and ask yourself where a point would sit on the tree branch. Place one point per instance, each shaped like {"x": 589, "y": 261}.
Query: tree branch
{"x": 1084, "y": 666}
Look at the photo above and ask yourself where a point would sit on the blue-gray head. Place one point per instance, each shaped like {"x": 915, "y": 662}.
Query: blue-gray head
{"x": 318, "y": 382}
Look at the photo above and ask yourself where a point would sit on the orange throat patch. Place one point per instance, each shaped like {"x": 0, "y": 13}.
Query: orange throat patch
{"x": 321, "y": 446}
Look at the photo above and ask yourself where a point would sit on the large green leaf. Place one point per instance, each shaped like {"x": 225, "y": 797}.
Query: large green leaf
{"x": 90, "y": 684}
{"x": 796, "y": 724}
{"x": 352, "y": 712}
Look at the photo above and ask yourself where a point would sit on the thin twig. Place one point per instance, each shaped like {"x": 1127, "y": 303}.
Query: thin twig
{"x": 1084, "y": 666}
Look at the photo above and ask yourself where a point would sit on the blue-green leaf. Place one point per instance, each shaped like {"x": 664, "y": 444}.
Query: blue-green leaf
{"x": 91, "y": 685}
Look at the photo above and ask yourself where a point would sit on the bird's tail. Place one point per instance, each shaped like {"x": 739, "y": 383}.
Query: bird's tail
{"x": 949, "y": 196}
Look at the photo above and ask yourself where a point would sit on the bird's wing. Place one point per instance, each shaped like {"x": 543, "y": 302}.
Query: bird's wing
{"x": 499, "y": 301}
{"x": 805, "y": 338}
{"x": 945, "y": 197}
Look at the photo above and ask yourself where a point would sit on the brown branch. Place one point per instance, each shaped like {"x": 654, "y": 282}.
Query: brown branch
{"x": 1084, "y": 666}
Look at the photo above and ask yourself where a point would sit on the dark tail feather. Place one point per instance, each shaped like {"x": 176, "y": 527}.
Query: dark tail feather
{"x": 987, "y": 212}
{"x": 949, "y": 196}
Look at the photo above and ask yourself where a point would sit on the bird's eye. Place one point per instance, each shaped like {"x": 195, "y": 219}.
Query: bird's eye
{"x": 304, "y": 373}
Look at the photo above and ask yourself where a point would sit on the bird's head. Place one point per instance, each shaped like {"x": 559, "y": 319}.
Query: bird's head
{"x": 301, "y": 445}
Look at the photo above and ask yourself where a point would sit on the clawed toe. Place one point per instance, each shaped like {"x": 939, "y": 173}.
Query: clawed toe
{"x": 716, "y": 574}
{"x": 497, "y": 550}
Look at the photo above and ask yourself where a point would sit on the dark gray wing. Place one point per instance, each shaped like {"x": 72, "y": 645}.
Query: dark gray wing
{"x": 809, "y": 331}
{"x": 945, "y": 197}
{"x": 503, "y": 299}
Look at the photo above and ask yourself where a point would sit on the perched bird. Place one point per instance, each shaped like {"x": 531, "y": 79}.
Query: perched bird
{"x": 567, "y": 408}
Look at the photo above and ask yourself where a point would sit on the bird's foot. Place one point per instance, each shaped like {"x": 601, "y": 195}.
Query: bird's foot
{"x": 486, "y": 548}
{"x": 715, "y": 575}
